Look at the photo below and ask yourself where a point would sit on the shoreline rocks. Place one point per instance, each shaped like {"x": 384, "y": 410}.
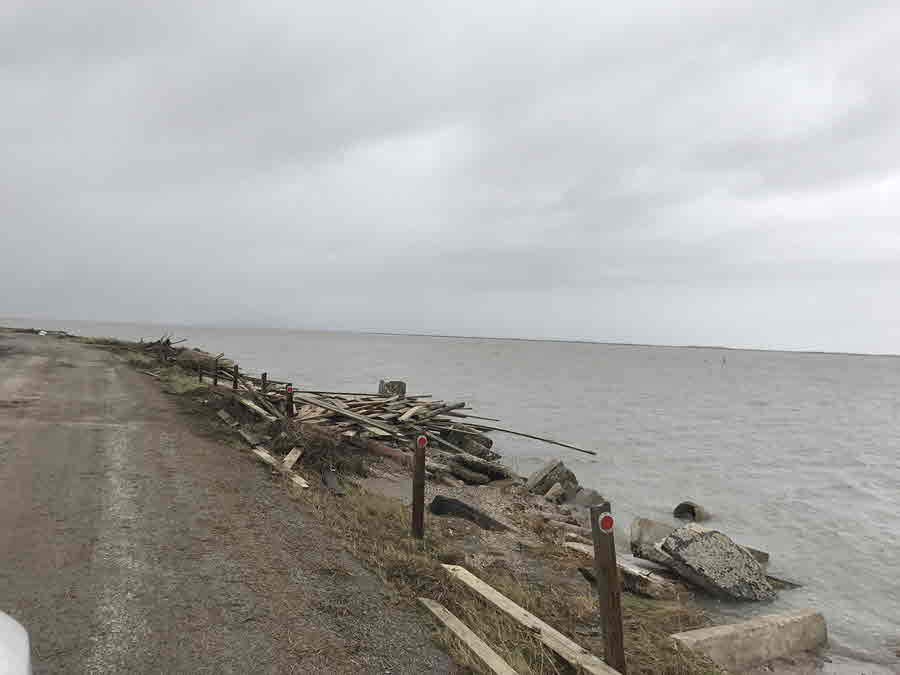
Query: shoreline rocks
{"x": 709, "y": 559}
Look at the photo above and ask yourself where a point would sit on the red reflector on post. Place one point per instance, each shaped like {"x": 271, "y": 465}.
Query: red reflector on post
{"x": 422, "y": 441}
{"x": 606, "y": 522}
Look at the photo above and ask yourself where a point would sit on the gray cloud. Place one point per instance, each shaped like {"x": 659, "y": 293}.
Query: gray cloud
{"x": 672, "y": 172}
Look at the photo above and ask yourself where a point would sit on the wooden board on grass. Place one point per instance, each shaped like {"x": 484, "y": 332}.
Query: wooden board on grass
{"x": 581, "y": 659}
{"x": 479, "y": 647}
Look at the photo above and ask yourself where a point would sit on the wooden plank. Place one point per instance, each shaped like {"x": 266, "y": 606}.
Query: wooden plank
{"x": 409, "y": 413}
{"x": 581, "y": 659}
{"x": 264, "y": 456}
{"x": 637, "y": 578}
{"x": 298, "y": 481}
{"x": 488, "y": 657}
{"x": 228, "y": 419}
{"x": 251, "y": 438}
{"x": 261, "y": 400}
{"x": 485, "y": 427}
{"x": 368, "y": 421}
{"x": 255, "y": 408}
{"x": 292, "y": 458}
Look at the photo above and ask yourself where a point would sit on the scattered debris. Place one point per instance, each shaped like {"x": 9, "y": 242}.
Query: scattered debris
{"x": 658, "y": 583}
{"x": 547, "y": 476}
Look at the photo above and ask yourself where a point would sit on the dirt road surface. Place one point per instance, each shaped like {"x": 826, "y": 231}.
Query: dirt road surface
{"x": 129, "y": 544}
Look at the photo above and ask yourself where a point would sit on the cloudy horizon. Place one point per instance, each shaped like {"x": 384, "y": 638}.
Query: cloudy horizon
{"x": 661, "y": 172}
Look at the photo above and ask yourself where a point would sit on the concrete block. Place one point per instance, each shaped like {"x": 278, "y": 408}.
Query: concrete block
{"x": 752, "y": 643}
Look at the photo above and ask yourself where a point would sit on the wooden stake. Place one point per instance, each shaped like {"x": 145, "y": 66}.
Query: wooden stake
{"x": 265, "y": 381}
{"x": 418, "y": 495}
{"x": 608, "y": 589}
{"x": 234, "y": 383}
{"x": 289, "y": 401}
{"x": 199, "y": 372}
{"x": 216, "y": 372}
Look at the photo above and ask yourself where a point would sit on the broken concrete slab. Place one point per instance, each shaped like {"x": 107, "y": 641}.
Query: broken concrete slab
{"x": 647, "y": 535}
{"x": 710, "y": 560}
{"x": 752, "y": 643}
{"x": 551, "y": 473}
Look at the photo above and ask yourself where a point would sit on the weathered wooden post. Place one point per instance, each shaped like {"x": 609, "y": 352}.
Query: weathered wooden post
{"x": 216, "y": 372}
{"x": 234, "y": 382}
{"x": 418, "y": 495}
{"x": 265, "y": 381}
{"x": 609, "y": 588}
{"x": 199, "y": 372}
{"x": 289, "y": 400}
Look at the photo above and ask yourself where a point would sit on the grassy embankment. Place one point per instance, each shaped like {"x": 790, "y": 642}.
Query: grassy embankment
{"x": 375, "y": 529}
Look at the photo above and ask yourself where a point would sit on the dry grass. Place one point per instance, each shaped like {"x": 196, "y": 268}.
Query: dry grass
{"x": 376, "y": 530}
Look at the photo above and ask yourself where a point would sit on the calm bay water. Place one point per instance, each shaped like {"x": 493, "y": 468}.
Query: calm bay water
{"x": 796, "y": 454}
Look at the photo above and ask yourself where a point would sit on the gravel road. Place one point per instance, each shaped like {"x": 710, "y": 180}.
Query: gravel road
{"x": 129, "y": 544}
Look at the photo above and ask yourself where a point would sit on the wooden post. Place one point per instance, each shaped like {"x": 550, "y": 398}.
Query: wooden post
{"x": 609, "y": 589}
{"x": 199, "y": 372}
{"x": 237, "y": 372}
{"x": 265, "y": 383}
{"x": 289, "y": 400}
{"x": 418, "y": 495}
{"x": 216, "y": 372}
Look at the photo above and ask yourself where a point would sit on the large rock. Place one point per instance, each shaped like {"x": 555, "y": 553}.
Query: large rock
{"x": 647, "y": 536}
{"x": 548, "y": 475}
{"x": 448, "y": 506}
{"x": 714, "y": 562}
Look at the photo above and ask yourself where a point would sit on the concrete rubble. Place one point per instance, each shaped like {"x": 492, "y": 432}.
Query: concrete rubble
{"x": 710, "y": 560}
{"x": 547, "y": 476}
{"x": 744, "y": 645}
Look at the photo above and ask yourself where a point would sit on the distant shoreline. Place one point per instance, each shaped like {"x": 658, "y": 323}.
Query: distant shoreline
{"x": 625, "y": 344}
{"x": 605, "y": 343}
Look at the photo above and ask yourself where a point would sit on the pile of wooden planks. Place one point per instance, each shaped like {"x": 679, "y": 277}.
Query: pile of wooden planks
{"x": 394, "y": 418}
{"x": 391, "y": 417}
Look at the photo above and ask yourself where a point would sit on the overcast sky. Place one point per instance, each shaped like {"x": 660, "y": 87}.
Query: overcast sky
{"x": 665, "y": 172}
